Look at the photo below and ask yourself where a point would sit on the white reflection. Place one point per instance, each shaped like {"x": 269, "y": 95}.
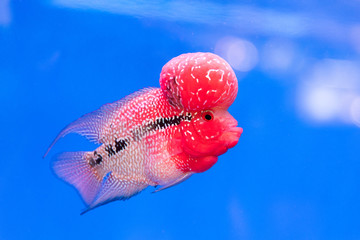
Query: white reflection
{"x": 247, "y": 19}
{"x": 5, "y": 15}
{"x": 355, "y": 111}
{"x": 321, "y": 103}
{"x": 330, "y": 91}
{"x": 242, "y": 55}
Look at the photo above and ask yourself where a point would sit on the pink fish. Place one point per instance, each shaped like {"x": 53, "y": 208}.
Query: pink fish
{"x": 156, "y": 136}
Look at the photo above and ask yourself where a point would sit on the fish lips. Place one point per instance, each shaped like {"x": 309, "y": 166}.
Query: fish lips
{"x": 216, "y": 147}
{"x": 231, "y": 136}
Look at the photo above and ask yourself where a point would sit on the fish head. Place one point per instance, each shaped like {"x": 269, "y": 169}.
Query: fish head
{"x": 210, "y": 132}
{"x": 203, "y": 85}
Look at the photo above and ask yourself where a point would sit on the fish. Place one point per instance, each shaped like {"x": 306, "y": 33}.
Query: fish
{"x": 155, "y": 137}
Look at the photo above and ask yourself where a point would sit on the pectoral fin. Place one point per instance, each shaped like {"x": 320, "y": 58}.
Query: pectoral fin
{"x": 175, "y": 182}
{"x": 115, "y": 187}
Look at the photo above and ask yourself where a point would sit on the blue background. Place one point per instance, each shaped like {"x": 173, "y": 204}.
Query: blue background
{"x": 295, "y": 173}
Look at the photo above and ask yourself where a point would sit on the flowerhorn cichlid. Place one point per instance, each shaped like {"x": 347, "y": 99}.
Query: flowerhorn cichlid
{"x": 157, "y": 136}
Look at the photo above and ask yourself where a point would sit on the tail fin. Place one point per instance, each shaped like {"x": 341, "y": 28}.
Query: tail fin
{"x": 95, "y": 189}
{"x": 73, "y": 168}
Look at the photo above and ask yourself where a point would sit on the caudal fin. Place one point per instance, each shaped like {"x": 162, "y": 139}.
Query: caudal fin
{"x": 73, "y": 168}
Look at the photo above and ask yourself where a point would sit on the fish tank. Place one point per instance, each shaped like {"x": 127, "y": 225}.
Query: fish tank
{"x": 293, "y": 174}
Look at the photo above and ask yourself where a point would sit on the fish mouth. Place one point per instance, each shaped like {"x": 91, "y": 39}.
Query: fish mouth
{"x": 231, "y": 137}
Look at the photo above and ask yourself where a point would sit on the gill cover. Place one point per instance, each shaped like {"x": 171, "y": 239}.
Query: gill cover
{"x": 210, "y": 137}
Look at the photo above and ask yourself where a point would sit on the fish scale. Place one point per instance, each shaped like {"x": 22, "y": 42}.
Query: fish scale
{"x": 138, "y": 150}
{"x": 156, "y": 136}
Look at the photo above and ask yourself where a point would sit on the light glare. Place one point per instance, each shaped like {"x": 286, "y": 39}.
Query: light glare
{"x": 241, "y": 54}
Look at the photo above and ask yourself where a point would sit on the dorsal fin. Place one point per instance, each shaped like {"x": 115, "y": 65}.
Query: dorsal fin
{"x": 90, "y": 125}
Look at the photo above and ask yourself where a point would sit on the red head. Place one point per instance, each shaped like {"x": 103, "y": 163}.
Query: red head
{"x": 204, "y": 85}
{"x": 197, "y": 81}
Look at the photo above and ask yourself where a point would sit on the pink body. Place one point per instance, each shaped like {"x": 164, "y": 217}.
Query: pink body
{"x": 156, "y": 136}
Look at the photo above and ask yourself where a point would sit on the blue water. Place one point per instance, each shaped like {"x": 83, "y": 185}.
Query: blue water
{"x": 295, "y": 173}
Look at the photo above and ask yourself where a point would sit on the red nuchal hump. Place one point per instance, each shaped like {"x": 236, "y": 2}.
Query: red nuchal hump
{"x": 196, "y": 81}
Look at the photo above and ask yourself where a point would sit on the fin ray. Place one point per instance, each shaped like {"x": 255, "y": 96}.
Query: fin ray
{"x": 114, "y": 188}
{"x": 90, "y": 124}
{"x": 173, "y": 183}
{"x": 73, "y": 168}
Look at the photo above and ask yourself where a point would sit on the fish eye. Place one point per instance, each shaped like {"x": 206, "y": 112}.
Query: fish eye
{"x": 207, "y": 116}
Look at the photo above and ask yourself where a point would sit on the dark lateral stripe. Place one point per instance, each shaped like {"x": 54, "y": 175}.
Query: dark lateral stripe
{"x": 120, "y": 145}
{"x": 160, "y": 123}
{"x": 138, "y": 133}
{"x": 109, "y": 149}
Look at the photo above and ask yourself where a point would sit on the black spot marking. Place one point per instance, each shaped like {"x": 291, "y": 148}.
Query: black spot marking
{"x": 120, "y": 145}
{"x": 96, "y": 160}
{"x": 109, "y": 150}
{"x": 92, "y": 162}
